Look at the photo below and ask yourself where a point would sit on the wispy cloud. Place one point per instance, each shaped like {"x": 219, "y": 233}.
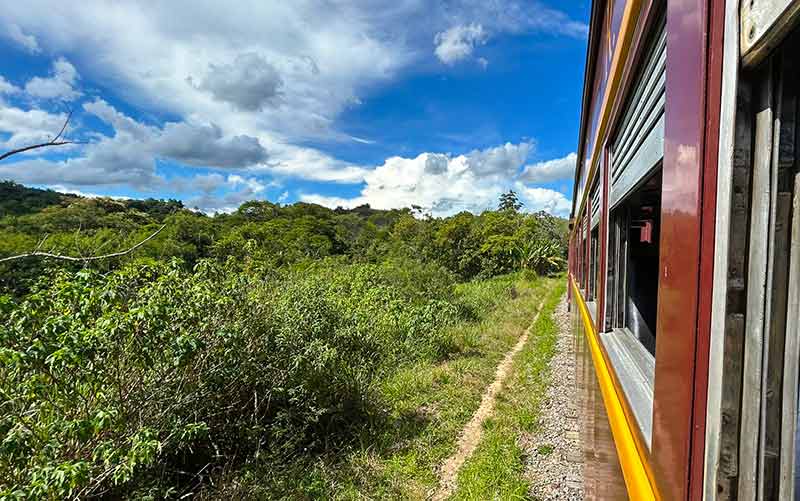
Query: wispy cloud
{"x": 458, "y": 42}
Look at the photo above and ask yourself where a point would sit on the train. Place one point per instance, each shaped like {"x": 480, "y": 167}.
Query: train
{"x": 684, "y": 250}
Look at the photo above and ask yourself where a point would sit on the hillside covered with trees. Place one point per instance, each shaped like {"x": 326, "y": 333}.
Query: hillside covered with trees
{"x": 231, "y": 344}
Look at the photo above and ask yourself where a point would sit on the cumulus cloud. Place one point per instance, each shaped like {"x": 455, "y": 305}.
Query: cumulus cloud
{"x": 543, "y": 199}
{"x": 128, "y": 156}
{"x": 550, "y": 170}
{"x": 503, "y": 160}
{"x": 27, "y": 42}
{"x": 25, "y": 127}
{"x": 188, "y": 143}
{"x": 7, "y": 87}
{"x": 60, "y": 85}
{"x": 313, "y": 67}
{"x": 440, "y": 182}
{"x": 223, "y": 194}
{"x": 204, "y": 145}
{"x": 458, "y": 42}
{"x": 249, "y": 83}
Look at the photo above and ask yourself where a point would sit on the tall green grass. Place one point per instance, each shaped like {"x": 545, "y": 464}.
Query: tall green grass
{"x": 496, "y": 469}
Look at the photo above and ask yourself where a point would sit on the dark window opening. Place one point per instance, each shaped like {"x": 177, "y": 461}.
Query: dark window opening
{"x": 633, "y": 290}
{"x": 594, "y": 246}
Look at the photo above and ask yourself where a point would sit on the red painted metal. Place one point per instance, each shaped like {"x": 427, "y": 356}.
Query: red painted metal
{"x": 681, "y": 235}
{"x": 587, "y": 245}
{"x": 603, "y": 242}
{"x": 716, "y": 31}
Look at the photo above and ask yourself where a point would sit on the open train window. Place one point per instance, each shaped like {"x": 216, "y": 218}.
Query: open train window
{"x": 594, "y": 255}
{"x": 594, "y": 247}
{"x": 636, "y": 224}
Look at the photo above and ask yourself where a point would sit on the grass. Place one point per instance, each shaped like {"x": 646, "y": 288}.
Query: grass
{"x": 425, "y": 406}
{"x": 496, "y": 470}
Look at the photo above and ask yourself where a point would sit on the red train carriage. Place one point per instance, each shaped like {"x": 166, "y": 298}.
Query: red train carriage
{"x": 685, "y": 250}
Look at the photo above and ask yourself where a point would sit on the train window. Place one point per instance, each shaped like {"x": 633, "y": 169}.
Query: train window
{"x": 636, "y": 237}
{"x": 584, "y": 257}
{"x": 632, "y": 296}
{"x": 594, "y": 254}
{"x": 594, "y": 248}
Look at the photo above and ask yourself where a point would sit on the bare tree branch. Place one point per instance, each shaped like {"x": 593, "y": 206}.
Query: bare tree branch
{"x": 38, "y": 253}
{"x": 56, "y": 141}
{"x": 63, "y": 127}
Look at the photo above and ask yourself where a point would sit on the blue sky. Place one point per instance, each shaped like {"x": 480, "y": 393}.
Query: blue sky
{"x": 442, "y": 104}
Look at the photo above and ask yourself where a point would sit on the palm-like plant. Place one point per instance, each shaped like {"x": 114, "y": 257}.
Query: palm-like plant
{"x": 543, "y": 257}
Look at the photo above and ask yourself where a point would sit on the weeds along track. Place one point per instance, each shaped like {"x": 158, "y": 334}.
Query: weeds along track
{"x": 471, "y": 434}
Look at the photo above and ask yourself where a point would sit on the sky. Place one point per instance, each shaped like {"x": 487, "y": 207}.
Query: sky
{"x": 443, "y": 104}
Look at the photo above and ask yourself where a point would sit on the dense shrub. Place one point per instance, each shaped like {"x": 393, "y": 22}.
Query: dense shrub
{"x": 139, "y": 379}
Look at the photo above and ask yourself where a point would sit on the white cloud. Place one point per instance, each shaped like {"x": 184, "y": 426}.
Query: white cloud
{"x": 442, "y": 183}
{"x": 128, "y": 157}
{"x": 26, "y": 127}
{"x": 66, "y": 189}
{"x": 472, "y": 23}
{"x": 310, "y": 68}
{"x": 27, "y": 42}
{"x": 543, "y": 199}
{"x": 271, "y": 76}
{"x": 7, "y": 87}
{"x": 458, "y": 42}
{"x": 248, "y": 84}
{"x": 550, "y": 170}
{"x": 205, "y": 145}
{"x": 60, "y": 85}
{"x": 221, "y": 194}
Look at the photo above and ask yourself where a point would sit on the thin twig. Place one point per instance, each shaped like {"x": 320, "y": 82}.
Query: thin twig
{"x": 84, "y": 259}
{"x": 33, "y": 147}
{"x": 41, "y": 242}
{"x": 53, "y": 142}
{"x": 63, "y": 127}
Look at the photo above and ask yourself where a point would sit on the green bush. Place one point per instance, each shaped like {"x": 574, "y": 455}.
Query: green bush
{"x": 138, "y": 380}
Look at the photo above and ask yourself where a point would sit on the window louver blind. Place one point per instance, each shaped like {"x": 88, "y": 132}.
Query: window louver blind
{"x": 639, "y": 144}
{"x": 597, "y": 199}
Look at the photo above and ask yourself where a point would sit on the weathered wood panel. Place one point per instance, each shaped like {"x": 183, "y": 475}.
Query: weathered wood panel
{"x": 757, "y": 290}
{"x": 725, "y": 466}
{"x": 792, "y": 353}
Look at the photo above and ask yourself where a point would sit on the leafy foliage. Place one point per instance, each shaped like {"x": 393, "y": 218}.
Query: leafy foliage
{"x": 150, "y": 370}
{"x": 226, "y": 336}
{"x": 509, "y": 201}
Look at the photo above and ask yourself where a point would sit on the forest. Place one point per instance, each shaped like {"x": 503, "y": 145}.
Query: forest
{"x": 227, "y": 347}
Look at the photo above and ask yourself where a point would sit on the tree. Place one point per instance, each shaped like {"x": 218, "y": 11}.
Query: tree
{"x": 510, "y": 202}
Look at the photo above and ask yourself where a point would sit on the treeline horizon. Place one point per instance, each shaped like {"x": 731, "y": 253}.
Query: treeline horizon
{"x": 266, "y": 234}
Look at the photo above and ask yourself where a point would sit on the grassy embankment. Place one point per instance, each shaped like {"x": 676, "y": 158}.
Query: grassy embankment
{"x": 496, "y": 469}
{"x": 427, "y": 405}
